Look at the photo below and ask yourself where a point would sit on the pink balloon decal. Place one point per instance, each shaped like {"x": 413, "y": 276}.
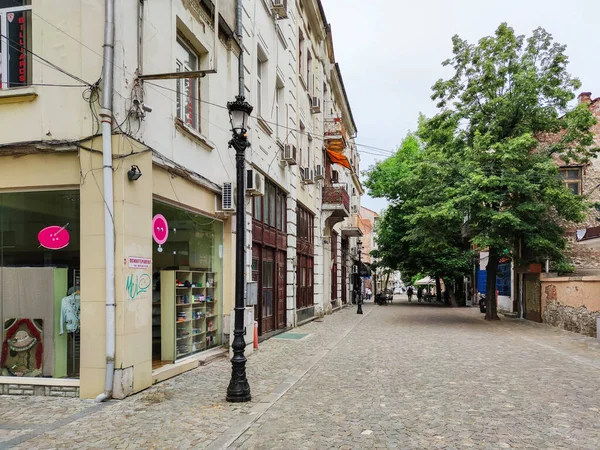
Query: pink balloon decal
{"x": 54, "y": 237}
{"x": 160, "y": 230}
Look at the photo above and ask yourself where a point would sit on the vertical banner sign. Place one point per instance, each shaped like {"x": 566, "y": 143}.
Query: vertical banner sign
{"x": 17, "y": 48}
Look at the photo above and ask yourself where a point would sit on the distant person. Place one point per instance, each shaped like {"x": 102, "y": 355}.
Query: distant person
{"x": 419, "y": 294}
{"x": 409, "y": 292}
{"x": 368, "y": 293}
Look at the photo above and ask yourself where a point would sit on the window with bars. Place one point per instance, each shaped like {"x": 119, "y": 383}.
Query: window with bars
{"x": 15, "y": 43}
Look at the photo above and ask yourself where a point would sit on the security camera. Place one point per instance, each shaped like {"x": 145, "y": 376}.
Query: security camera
{"x": 147, "y": 108}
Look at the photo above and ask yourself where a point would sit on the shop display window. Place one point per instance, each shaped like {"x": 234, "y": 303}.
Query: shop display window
{"x": 187, "y": 285}
{"x": 40, "y": 284}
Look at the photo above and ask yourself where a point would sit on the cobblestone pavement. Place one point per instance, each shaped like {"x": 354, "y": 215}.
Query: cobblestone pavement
{"x": 400, "y": 376}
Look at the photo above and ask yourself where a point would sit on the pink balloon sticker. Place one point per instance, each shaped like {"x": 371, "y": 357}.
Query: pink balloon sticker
{"x": 160, "y": 229}
{"x": 54, "y": 237}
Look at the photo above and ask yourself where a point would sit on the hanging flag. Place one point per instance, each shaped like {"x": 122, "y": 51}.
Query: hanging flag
{"x": 338, "y": 158}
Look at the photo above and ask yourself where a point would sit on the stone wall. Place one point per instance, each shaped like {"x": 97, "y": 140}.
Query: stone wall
{"x": 31, "y": 389}
{"x": 578, "y": 320}
{"x": 571, "y": 303}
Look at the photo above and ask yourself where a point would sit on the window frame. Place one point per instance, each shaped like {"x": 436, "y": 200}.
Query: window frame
{"x": 4, "y": 47}
{"x": 259, "y": 91}
{"x": 271, "y": 209}
{"x": 569, "y": 182}
{"x": 183, "y": 44}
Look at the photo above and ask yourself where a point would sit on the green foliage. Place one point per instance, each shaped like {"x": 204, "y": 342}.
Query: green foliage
{"x": 480, "y": 157}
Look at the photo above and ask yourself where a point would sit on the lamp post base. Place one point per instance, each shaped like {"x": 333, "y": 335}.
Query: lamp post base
{"x": 239, "y": 389}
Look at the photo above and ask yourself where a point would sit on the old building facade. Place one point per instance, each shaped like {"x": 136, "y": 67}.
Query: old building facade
{"x": 173, "y": 178}
{"x": 570, "y": 301}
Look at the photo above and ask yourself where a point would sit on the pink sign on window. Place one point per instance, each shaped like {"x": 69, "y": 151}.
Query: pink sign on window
{"x": 160, "y": 230}
{"x": 54, "y": 237}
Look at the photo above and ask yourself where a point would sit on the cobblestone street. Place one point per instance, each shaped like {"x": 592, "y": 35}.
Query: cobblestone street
{"x": 400, "y": 376}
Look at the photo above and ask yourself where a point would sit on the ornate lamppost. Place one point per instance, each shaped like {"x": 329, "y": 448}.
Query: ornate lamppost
{"x": 359, "y": 300}
{"x": 239, "y": 111}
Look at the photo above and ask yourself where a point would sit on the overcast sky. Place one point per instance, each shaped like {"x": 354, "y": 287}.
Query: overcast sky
{"x": 390, "y": 53}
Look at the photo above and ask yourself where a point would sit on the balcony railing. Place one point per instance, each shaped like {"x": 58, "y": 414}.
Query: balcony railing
{"x": 336, "y": 196}
{"x": 334, "y": 129}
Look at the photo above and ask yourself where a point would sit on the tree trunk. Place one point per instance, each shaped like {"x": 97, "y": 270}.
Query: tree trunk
{"x": 459, "y": 292}
{"x": 438, "y": 288}
{"x": 387, "y": 280}
{"x": 490, "y": 294}
{"x": 374, "y": 283}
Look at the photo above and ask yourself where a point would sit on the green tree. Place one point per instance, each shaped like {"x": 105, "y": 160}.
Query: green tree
{"x": 507, "y": 90}
{"x": 417, "y": 233}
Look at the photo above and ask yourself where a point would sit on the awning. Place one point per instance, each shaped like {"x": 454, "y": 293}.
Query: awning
{"x": 427, "y": 281}
{"x": 338, "y": 158}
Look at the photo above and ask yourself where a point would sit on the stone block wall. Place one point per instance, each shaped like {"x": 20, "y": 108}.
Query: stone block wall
{"x": 579, "y": 320}
{"x": 31, "y": 389}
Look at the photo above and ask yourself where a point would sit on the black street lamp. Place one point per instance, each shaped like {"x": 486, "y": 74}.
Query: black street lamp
{"x": 359, "y": 300}
{"x": 239, "y": 389}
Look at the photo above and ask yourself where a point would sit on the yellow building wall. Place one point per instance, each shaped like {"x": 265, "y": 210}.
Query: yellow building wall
{"x": 133, "y": 289}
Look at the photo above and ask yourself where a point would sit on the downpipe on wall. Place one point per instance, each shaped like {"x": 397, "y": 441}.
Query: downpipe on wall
{"x": 109, "y": 225}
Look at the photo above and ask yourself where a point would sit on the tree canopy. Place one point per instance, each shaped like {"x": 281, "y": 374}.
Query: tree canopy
{"x": 478, "y": 164}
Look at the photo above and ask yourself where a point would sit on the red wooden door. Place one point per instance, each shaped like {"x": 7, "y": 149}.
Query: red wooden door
{"x": 334, "y": 266}
{"x": 281, "y": 285}
{"x": 256, "y": 265}
{"x": 268, "y": 290}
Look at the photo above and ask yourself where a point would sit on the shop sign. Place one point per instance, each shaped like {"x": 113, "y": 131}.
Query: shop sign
{"x": 160, "y": 230}
{"x": 54, "y": 237}
{"x": 136, "y": 262}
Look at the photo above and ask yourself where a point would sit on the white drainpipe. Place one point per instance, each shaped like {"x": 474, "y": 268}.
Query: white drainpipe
{"x": 109, "y": 226}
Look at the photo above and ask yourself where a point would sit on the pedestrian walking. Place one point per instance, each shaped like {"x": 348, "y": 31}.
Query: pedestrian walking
{"x": 368, "y": 293}
{"x": 409, "y": 292}
{"x": 419, "y": 294}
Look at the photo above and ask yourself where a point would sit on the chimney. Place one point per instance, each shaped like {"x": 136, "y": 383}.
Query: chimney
{"x": 585, "y": 97}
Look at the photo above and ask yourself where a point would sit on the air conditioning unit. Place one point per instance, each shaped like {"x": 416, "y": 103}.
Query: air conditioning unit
{"x": 316, "y": 105}
{"x": 227, "y": 203}
{"x": 353, "y": 251}
{"x": 280, "y": 7}
{"x": 255, "y": 183}
{"x": 308, "y": 176}
{"x": 289, "y": 154}
{"x": 335, "y": 176}
{"x": 354, "y": 209}
{"x": 319, "y": 173}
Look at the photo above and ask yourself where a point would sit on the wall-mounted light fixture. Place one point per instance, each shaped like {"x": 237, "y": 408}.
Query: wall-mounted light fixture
{"x": 134, "y": 173}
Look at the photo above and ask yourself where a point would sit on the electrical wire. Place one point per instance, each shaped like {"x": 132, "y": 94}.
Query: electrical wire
{"x": 58, "y": 68}
{"x": 15, "y": 45}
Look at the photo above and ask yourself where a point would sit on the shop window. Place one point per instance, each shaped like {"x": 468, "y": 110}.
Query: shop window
{"x": 572, "y": 178}
{"x": 271, "y": 209}
{"x": 40, "y": 284}
{"x": 187, "y": 295}
{"x": 305, "y": 258}
{"x": 258, "y": 208}
{"x": 188, "y": 89}
{"x": 15, "y": 43}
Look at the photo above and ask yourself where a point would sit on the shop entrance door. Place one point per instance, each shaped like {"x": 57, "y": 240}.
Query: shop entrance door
{"x": 268, "y": 291}
{"x": 281, "y": 289}
{"x": 533, "y": 297}
{"x": 334, "y": 268}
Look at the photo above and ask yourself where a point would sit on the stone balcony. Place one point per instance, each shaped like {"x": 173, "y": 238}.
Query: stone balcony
{"x": 351, "y": 227}
{"x": 336, "y": 203}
